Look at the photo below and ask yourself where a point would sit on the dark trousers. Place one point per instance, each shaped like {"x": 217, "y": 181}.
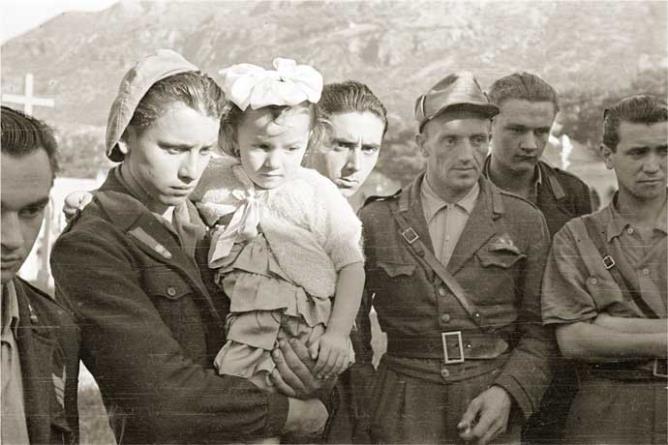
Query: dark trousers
{"x": 618, "y": 412}
{"x": 547, "y": 424}
{"x": 410, "y": 409}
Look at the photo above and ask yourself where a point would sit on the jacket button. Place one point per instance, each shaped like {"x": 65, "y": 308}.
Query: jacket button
{"x": 444, "y": 372}
{"x": 171, "y": 291}
{"x": 445, "y": 318}
{"x": 441, "y": 291}
{"x": 645, "y": 271}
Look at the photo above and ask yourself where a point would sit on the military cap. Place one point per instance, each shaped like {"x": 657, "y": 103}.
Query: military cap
{"x": 457, "y": 91}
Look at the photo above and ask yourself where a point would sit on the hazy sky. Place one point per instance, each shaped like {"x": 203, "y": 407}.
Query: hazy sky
{"x": 19, "y": 16}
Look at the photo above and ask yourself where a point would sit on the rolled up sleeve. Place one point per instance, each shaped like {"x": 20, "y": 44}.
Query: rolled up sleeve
{"x": 565, "y": 296}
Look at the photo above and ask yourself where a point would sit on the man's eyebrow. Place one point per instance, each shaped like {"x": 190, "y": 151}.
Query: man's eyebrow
{"x": 39, "y": 203}
{"x": 649, "y": 147}
{"x": 177, "y": 145}
{"x": 343, "y": 141}
{"x": 515, "y": 125}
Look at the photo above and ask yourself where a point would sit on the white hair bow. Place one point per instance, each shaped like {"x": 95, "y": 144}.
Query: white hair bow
{"x": 289, "y": 84}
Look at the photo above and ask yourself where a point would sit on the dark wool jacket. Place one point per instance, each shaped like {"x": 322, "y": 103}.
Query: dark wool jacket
{"x": 151, "y": 326}
{"x": 48, "y": 343}
{"x": 561, "y": 196}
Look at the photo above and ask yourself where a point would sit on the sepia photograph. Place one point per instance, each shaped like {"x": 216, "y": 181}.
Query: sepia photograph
{"x": 334, "y": 222}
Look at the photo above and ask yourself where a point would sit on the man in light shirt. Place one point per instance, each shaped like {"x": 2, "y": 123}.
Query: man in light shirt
{"x": 40, "y": 340}
{"x": 604, "y": 289}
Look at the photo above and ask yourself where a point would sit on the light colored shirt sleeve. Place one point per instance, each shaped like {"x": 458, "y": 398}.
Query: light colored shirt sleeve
{"x": 566, "y": 297}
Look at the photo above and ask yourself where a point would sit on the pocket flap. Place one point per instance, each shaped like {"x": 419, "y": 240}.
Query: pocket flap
{"x": 504, "y": 258}
{"x": 396, "y": 269}
{"x": 165, "y": 283}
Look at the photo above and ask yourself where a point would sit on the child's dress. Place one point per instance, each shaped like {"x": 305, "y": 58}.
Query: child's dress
{"x": 276, "y": 254}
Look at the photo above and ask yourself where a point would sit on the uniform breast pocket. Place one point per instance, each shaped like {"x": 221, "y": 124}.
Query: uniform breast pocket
{"x": 165, "y": 283}
{"x": 497, "y": 276}
{"x": 394, "y": 270}
{"x": 171, "y": 296}
{"x": 394, "y": 285}
{"x": 503, "y": 258}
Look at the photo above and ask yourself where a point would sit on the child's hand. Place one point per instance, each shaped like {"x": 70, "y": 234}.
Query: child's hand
{"x": 332, "y": 351}
{"x": 75, "y": 202}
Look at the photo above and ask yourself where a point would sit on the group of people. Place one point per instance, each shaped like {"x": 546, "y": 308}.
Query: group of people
{"x": 218, "y": 285}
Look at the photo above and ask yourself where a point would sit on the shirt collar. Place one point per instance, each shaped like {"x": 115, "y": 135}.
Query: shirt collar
{"x": 617, "y": 222}
{"x": 432, "y": 203}
{"x": 10, "y": 306}
{"x": 538, "y": 177}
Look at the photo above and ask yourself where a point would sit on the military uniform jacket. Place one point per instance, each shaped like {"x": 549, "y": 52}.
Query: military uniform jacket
{"x": 499, "y": 262}
{"x": 151, "y": 326}
{"x": 48, "y": 343}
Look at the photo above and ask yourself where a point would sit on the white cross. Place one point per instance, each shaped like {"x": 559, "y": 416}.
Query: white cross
{"x": 28, "y": 100}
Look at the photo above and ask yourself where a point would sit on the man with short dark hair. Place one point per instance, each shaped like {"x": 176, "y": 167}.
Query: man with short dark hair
{"x": 40, "y": 341}
{"x": 605, "y": 287}
{"x": 528, "y": 106}
{"x": 453, "y": 267}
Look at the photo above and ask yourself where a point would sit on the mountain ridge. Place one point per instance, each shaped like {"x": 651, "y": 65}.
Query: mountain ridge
{"x": 398, "y": 48}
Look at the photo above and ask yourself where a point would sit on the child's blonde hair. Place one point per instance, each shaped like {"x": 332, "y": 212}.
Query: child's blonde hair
{"x": 233, "y": 116}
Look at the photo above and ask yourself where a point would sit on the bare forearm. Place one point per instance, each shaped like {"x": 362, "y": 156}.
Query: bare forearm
{"x": 349, "y": 287}
{"x": 633, "y": 325}
{"x": 593, "y": 343}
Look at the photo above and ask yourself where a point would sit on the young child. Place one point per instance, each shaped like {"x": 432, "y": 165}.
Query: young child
{"x": 286, "y": 246}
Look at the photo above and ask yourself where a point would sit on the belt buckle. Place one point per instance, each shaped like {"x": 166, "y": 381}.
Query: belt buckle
{"x": 608, "y": 262}
{"x": 410, "y": 235}
{"x": 660, "y": 368}
{"x": 458, "y": 336}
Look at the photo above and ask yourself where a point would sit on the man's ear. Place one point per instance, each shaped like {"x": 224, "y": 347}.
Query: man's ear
{"x": 420, "y": 140}
{"x": 606, "y": 153}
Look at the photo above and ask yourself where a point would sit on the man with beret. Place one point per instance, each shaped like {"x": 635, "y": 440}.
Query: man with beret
{"x": 527, "y": 109}
{"x": 40, "y": 340}
{"x": 454, "y": 268}
{"x": 605, "y": 283}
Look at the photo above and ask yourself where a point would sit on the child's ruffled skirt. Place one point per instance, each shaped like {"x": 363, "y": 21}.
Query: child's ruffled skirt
{"x": 263, "y": 302}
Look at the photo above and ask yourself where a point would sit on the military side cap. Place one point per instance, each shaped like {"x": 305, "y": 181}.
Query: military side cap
{"x": 134, "y": 86}
{"x": 459, "y": 91}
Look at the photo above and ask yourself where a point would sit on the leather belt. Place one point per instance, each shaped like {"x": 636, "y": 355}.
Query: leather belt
{"x": 656, "y": 369}
{"x": 452, "y": 347}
